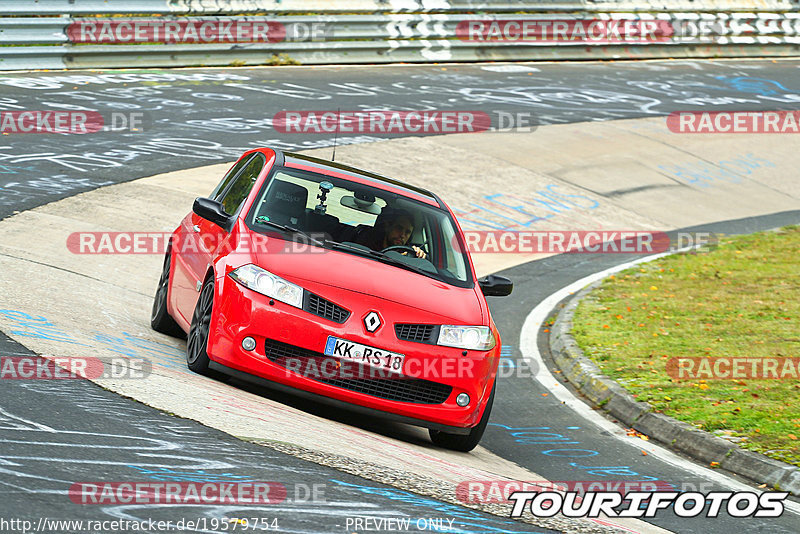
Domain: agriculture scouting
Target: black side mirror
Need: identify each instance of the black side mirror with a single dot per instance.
(212, 211)
(496, 286)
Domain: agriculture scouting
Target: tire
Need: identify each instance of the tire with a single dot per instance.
(465, 443)
(160, 319)
(197, 341)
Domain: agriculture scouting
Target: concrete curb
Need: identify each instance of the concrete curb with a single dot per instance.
(614, 399)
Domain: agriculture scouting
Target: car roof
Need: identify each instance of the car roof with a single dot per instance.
(303, 161)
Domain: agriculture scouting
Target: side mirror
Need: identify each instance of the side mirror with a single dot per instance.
(212, 211)
(496, 286)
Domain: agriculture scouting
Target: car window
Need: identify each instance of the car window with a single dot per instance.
(291, 197)
(233, 198)
(228, 178)
(454, 261)
(361, 216)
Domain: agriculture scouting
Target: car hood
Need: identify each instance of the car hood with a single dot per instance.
(354, 273)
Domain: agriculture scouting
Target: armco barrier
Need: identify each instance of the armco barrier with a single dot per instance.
(170, 33)
(221, 7)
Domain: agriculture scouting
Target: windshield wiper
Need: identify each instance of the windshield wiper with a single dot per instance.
(380, 256)
(289, 229)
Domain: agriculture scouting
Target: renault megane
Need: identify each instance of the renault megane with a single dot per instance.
(339, 284)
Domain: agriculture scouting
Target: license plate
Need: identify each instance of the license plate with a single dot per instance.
(364, 354)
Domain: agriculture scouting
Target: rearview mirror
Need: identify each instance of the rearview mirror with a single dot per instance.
(212, 211)
(496, 286)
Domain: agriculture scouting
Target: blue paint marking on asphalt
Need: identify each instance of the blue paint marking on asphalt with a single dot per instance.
(501, 211)
(601, 471)
(6, 169)
(506, 361)
(570, 453)
(126, 344)
(38, 327)
(190, 475)
(134, 347)
(703, 174)
(536, 436)
(760, 86)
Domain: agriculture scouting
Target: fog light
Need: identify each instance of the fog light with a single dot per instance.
(248, 343)
(462, 399)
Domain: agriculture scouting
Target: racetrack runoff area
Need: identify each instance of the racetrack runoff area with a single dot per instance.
(621, 175)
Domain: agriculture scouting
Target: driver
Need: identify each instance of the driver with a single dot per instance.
(392, 229)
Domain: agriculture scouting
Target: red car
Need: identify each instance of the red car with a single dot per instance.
(339, 284)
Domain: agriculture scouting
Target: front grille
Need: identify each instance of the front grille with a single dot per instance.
(419, 333)
(393, 387)
(325, 308)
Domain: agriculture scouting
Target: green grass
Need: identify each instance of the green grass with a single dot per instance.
(740, 300)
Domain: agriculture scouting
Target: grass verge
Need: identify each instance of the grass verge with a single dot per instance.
(740, 300)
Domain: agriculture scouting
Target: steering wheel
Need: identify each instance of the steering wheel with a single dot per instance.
(401, 248)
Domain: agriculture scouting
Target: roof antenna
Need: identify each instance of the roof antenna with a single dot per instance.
(336, 133)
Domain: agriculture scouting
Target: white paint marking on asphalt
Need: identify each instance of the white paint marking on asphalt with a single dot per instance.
(509, 68)
(530, 351)
(32, 424)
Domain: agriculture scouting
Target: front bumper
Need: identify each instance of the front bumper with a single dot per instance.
(240, 312)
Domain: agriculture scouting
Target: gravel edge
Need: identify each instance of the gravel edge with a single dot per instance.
(605, 393)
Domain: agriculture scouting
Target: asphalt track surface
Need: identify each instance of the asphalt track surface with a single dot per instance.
(58, 432)
(197, 117)
(191, 122)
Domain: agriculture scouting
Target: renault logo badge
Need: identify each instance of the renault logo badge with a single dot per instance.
(372, 321)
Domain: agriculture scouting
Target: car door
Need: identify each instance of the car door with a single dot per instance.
(201, 238)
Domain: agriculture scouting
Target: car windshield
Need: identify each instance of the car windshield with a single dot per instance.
(362, 220)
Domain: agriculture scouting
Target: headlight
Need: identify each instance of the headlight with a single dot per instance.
(466, 337)
(266, 283)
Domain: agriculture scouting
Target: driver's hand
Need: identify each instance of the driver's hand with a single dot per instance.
(419, 251)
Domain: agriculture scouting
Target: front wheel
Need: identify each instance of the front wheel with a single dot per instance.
(467, 442)
(197, 343)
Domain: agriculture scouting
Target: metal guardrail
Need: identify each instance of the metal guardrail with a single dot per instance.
(223, 7)
(739, 27)
(71, 41)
